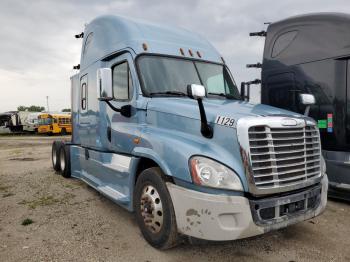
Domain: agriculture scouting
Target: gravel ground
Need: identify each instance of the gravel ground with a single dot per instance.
(72, 222)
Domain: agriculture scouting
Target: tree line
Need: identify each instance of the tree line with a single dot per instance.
(34, 108)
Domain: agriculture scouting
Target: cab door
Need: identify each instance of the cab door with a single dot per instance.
(122, 130)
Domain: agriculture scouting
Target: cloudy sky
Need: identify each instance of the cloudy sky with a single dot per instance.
(38, 50)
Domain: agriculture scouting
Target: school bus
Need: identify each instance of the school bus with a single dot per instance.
(55, 124)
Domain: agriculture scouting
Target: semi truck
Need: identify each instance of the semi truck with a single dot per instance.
(13, 121)
(160, 128)
(310, 54)
(31, 123)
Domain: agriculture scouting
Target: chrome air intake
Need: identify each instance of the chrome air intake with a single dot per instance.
(280, 153)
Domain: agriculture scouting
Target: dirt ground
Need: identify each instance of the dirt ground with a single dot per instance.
(72, 222)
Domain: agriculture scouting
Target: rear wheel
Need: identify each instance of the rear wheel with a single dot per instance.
(55, 155)
(154, 209)
(65, 161)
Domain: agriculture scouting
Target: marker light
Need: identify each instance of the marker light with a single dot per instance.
(209, 173)
(144, 46)
(182, 51)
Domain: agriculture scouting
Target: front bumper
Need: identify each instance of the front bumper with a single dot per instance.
(223, 217)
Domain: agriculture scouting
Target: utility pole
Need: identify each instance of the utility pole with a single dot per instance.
(47, 104)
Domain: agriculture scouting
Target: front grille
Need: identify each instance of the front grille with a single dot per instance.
(284, 156)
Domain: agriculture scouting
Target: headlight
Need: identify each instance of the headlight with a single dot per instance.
(209, 173)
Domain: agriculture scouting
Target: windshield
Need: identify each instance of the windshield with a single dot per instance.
(171, 76)
(45, 121)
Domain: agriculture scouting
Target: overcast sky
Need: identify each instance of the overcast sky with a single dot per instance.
(38, 50)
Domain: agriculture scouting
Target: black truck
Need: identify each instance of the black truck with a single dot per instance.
(310, 54)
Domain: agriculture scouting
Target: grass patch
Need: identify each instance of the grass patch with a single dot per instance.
(8, 194)
(46, 201)
(4, 188)
(41, 201)
(16, 152)
(27, 222)
(70, 186)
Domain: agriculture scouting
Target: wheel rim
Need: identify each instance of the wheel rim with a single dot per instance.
(151, 209)
(62, 160)
(54, 157)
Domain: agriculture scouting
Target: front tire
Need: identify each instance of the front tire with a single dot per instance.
(154, 209)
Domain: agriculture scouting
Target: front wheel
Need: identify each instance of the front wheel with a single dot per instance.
(154, 209)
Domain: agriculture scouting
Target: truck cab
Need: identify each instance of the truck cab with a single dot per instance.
(309, 54)
(160, 128)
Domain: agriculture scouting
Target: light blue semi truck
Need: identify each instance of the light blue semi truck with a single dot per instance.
(160, 128)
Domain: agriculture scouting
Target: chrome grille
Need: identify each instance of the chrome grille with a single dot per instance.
(284, 156)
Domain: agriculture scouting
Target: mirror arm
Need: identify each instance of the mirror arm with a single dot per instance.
(307, 110)
(124, 110)
(206, 129)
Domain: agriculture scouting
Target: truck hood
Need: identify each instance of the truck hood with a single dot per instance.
(213, 107)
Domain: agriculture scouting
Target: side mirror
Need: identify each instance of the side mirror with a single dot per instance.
(104, 84)
(196, 91)
(307, 100)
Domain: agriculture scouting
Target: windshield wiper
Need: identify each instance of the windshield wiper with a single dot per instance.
(228, 96)
(171, 93)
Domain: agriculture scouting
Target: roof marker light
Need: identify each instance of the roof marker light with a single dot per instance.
(144, 46)
(190, 52)
(199, 54)
(182, 51)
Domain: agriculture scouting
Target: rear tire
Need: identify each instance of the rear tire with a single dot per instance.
(55, 155)
(65, 161)
(154, 209)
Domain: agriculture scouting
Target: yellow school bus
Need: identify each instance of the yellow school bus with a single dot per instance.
(55, 124)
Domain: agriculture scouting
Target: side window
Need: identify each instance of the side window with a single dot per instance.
(83, 96)
(122, 82)
(283, 42)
